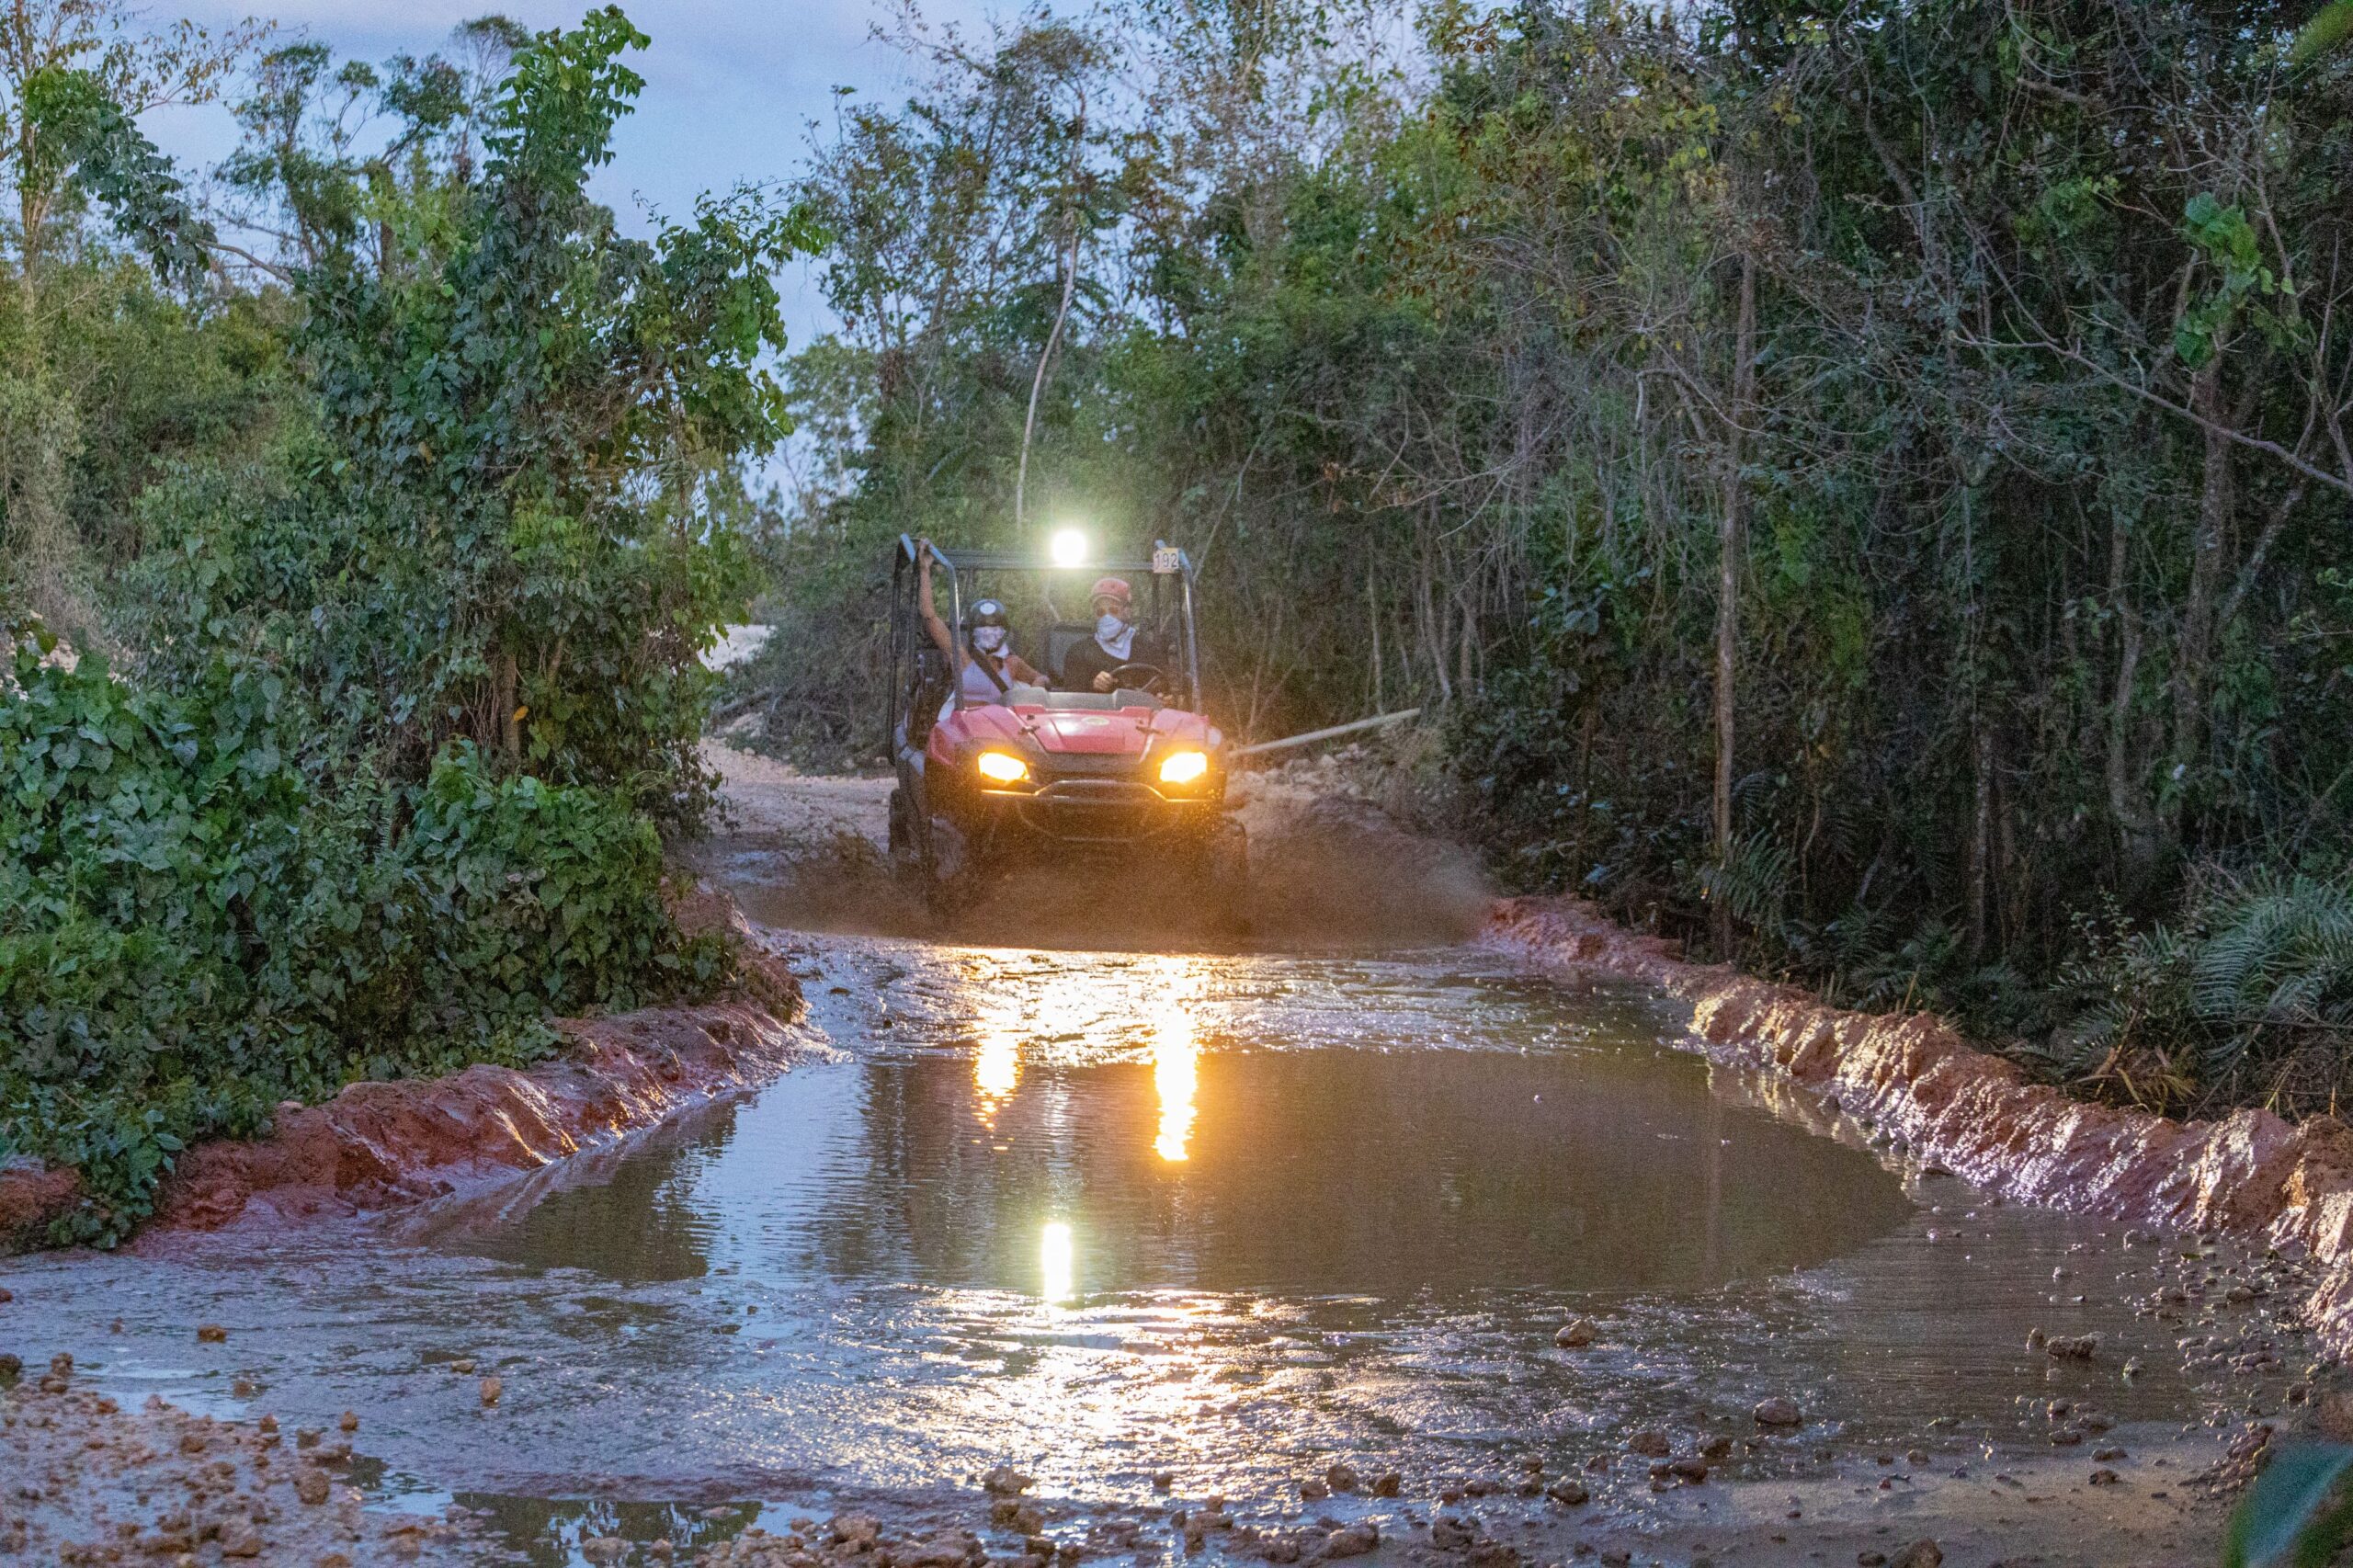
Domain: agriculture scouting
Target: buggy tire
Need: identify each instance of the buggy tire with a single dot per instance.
(1225, 877)
(901, 837)
(951, 880)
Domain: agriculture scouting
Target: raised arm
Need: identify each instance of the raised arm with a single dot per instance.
(940, 636)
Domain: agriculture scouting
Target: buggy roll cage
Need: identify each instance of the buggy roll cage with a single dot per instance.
(904, 630)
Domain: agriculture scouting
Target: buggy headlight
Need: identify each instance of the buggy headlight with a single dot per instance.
(1183, 767)
(1001, 766)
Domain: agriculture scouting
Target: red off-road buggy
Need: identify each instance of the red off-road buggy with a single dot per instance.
(1048, 777)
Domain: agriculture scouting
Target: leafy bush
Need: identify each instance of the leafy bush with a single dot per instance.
(192, 929)
(2248, 997)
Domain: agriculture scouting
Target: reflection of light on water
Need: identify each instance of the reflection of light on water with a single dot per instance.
(995, 1070)
(1175, 1073)
(1054, 1261)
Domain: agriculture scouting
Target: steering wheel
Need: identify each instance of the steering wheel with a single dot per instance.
(1138, 677)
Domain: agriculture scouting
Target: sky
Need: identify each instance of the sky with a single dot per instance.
(731, 87)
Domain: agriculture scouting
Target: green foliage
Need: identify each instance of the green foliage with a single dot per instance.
(410, 610)
(194, 929)
(82, 134)
(2247, 997)
(496, 400)
(1428, 356)
(2326, 32)
(2298, 1515)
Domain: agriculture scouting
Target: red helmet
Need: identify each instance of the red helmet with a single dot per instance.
(1111, 587)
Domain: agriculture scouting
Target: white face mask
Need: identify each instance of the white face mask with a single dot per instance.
(1109, 626)
(988, 638)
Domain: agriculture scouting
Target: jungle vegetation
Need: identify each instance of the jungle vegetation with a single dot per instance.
(364, 525)
(1862, 486)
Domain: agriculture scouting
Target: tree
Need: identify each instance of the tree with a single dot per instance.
(73, 74)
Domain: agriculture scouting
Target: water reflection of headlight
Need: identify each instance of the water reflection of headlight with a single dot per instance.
(996, 1069)
(1054, 1262)
(1176, 1073)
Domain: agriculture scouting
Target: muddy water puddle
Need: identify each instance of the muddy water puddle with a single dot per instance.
(1153, 1227)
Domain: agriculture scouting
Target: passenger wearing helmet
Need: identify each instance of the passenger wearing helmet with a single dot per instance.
(1117, 640)
(991, 667)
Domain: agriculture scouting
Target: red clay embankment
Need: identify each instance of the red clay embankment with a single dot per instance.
(378, 1145)
(2251, 1174)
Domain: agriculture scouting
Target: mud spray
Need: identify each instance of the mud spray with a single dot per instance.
(1327, 871)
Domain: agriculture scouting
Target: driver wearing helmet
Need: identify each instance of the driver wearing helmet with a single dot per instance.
(991, 667)
(1117, 640)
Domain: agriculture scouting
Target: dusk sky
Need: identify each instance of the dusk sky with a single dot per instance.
(730, 87)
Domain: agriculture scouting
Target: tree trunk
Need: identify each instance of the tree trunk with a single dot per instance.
(2126, 802)
(1037, 381)
(1980, 832)
(2196, 654)
(1728, 535)
(504, 690)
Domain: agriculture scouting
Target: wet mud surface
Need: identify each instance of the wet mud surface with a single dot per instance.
(1152, 1229)
(1178, 1256)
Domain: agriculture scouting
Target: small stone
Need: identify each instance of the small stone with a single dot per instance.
(491, 1389)
(1574, 1335)
(1450, 1534)
(1493, 1554)
(1006, 1482)
(1352, 1541)
(1387, 1483)
(1921, 1553)
(1871, 1559)
(2104, 1477)
(2070, 1346)
(1691, 1471)
(1314, 1490)
(311, 1485)
(604, 1548)
(1652, 1444)
(347, 1422)
(1280, 1549)
(850, 1529)
(1567, 1491)
(210, 1333)
(463, 1366)
(1779, 1412)
(239, 1539)
(1342, 1477)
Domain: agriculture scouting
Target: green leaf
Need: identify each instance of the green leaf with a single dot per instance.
(2296, 1515)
